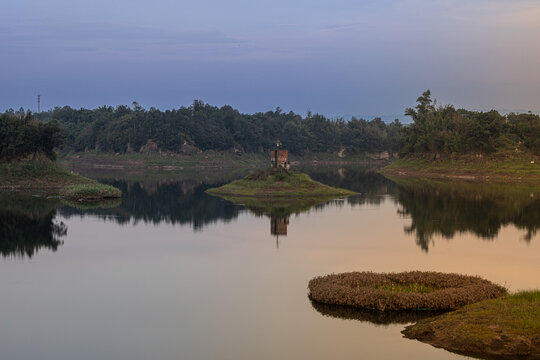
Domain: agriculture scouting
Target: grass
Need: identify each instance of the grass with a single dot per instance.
(51, 179)
(36, 175)
(406, 288)
(280, 183)
(156, 160)
(91, 192)
(517, 314)
(522, 166)
(507, 326)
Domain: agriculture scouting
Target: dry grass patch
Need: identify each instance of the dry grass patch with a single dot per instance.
(412, 290)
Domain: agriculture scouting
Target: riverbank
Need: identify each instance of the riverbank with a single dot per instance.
(208, 160)
(495, 168)
(46, 175)
(49, 177)
(507, 328)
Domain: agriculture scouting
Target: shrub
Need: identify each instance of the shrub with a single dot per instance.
(91, 192)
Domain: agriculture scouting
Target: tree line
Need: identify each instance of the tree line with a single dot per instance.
(23, 136)
(201, 127)
(447, 130)
(123, 129)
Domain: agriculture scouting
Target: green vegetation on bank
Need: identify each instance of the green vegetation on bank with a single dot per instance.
(94, 191)
(278, 183)
(22, 136)
(202, 127)
(27, 160)
(446, 130)
(507, 327)
(491, 168)
(42, 174)
(444, 142)
(53, 179)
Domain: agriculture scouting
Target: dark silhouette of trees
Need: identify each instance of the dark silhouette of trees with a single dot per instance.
(22, 136)
(124, 129)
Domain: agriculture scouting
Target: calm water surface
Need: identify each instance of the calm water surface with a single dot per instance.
(172, 273)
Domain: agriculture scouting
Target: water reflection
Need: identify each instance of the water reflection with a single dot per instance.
(279, 210)
(433, 209)
(384, 318)
(444, 209)
(28, 225)
(172, 202)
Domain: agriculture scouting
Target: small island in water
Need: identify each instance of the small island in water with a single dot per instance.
(278, 181)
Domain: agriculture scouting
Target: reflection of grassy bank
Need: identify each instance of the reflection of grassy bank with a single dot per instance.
(508, 327)
(439, 208)
(374, 317)
(276, 207)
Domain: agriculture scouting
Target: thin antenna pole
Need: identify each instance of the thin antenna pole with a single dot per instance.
(38, 103)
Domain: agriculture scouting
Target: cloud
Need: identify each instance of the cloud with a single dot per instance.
(106, 38)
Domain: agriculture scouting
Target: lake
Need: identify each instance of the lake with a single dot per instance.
(173, 273)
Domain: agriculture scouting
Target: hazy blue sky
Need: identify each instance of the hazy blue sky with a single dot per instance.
(334, 57)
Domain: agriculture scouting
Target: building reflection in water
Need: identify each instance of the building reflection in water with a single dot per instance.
(278, 227)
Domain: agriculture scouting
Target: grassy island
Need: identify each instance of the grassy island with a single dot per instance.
(414, 290)
(94, 191)
(506, 328)
(278, 183)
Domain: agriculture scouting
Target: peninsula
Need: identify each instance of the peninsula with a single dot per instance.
(28, 161)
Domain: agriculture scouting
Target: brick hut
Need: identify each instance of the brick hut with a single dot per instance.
(279, 157)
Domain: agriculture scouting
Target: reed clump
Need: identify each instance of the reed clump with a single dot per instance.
(413, 290)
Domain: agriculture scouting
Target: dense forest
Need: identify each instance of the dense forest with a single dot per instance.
(202, 127)
(446, 130)
(22, 136)
(442, 130)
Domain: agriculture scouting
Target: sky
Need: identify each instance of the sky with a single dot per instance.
(338, 57)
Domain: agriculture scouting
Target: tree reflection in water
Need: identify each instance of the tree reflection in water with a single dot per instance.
(27, 225)
(435, 209)
(444, 209)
